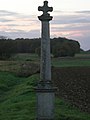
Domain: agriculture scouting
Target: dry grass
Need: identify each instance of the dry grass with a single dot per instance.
(21, 68)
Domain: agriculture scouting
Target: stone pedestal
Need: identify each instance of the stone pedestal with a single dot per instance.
(45, 104)
(45, 100)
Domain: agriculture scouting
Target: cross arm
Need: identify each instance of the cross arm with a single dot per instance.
(40, 8)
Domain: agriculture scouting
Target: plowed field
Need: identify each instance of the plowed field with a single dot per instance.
(73, 85)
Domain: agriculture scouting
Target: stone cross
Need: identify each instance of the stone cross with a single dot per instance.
(45, 90)
(45, 8)
(45, 71)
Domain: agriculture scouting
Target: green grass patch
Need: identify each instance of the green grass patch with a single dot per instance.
(18, 100)
(70, 62)
(64, 111)
(83, 55)
(25, 57)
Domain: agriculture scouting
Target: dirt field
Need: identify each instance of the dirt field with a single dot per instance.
(73, 85)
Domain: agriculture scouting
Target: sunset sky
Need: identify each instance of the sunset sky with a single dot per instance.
(71, 19)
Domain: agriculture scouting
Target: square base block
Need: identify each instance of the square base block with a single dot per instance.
(45, 104)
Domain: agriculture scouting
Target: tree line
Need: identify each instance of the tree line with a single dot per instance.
(60, 47)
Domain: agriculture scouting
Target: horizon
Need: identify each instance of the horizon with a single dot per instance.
(19, 19)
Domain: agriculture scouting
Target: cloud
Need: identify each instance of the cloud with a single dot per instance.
(84, 40)
(73, 25)
(72, 22)
(7, 13)
(5, 20)
(84, 12)
(11, 21)
(75, 17)
(21, 34)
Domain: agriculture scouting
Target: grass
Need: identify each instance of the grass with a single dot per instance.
(64, 111)
(16, 62)
(17, 96)
(70, 62)
(25, 57)
(78, 60)
(83, 55)
(18, 100)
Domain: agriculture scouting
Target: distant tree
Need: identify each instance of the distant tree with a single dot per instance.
(3, 37)
(88, 51)
(62, 47)
(7, 48)
(38, 51)
(59, 46)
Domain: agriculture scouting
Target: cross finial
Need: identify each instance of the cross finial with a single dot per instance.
(45, 9)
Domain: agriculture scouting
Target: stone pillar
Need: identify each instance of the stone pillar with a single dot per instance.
(45, 90)
(45, 72)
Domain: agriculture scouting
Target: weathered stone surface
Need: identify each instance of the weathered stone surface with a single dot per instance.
(45, 103)
(45, 91)
(45, 9)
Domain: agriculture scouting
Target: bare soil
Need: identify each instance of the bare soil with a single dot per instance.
(73, 85)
